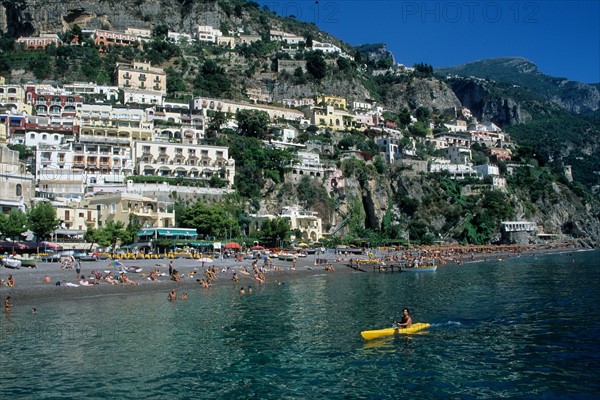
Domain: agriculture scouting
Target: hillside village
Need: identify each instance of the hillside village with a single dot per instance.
(103, 152)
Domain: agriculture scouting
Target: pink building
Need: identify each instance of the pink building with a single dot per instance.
(110, 38)
(38, 42)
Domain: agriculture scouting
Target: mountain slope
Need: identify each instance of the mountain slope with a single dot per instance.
(573, 96)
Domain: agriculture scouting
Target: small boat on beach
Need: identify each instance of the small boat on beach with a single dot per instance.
(374, 334)
(285, 257)
(27, 260)
(11, 262)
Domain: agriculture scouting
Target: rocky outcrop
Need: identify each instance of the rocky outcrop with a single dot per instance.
(503, 112)
(417, 92)
(486, 106)
(519, 72)
(376, 52)
(349, 89)
(578, 97)
(27, 17)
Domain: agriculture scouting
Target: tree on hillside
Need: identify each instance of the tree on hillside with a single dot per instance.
(253, 123)
(316, 65)
(404, 117)
(160, 31)
(343, 64)
(212, 80)
(41, 220)
(217, 120)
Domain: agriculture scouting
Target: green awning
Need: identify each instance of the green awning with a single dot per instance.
(168, 232)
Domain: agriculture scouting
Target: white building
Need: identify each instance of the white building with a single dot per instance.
(206, 33)
(457, 171)
(307, 222)
(457, 126)
(325, 47)
(205, 104)
(180, 37)
(109, 93)
(308, 164)
(46, 130)
(487, 170)
(285, 37)
(16, 184)
(449, 139)
(138, 96)
(184, 160)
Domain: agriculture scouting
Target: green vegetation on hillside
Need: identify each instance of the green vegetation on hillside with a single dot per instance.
(562, 138)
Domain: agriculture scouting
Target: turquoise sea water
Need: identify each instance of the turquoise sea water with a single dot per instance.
(525, 327)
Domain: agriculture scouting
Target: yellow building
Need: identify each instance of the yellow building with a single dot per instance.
(142, 76)
(330, 117)
(120, 124)
(75, 217)
(118, 206)
(335, 101)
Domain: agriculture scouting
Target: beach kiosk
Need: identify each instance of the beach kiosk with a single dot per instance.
(149, 237)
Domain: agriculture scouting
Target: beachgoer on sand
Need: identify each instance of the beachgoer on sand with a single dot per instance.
(78, 268)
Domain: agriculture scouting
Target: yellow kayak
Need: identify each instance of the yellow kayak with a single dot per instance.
(369, 335)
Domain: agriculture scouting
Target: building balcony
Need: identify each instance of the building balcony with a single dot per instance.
(90, 221)
(142, 78)
(157, 87)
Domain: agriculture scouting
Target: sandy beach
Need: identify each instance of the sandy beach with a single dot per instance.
(30, 288)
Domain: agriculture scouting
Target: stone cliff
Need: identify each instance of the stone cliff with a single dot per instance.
(27, 17)
(422, 92)
(487, 106)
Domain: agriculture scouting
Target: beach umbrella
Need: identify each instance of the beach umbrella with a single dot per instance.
(257, 248)
(232, 245)
(205, 260)
(303, 245)
(115, 264)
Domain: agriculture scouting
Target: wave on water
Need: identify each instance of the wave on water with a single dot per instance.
(448, 323)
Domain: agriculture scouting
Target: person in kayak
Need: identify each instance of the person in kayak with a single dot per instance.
(406, 320)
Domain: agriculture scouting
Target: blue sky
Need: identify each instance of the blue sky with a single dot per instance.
(561, 37)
